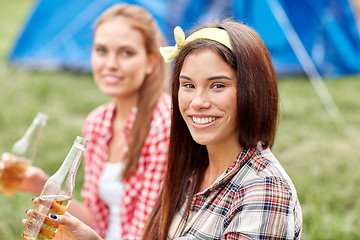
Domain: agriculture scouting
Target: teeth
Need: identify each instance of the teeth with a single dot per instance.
(111, 79)
(203, 120)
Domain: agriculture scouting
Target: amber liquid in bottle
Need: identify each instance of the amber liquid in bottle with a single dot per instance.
(12, 176)
(21, 157)
(39, 224)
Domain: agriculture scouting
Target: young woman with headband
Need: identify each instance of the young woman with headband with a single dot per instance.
(222, 180)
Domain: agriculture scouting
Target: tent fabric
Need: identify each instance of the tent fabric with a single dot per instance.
(58, 33)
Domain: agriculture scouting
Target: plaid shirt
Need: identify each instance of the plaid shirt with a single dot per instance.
(253, 199)
(141, 189)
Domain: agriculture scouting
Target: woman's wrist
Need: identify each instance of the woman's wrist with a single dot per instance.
(42, 180)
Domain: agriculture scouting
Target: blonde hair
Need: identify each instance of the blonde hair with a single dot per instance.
(154, 83)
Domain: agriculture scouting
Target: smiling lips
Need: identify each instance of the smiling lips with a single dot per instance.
(111, 79)
(203, 120)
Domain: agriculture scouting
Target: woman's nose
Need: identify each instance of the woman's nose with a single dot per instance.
(200, 100)
(112, 61)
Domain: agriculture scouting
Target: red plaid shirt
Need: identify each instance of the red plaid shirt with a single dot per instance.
(141, 189)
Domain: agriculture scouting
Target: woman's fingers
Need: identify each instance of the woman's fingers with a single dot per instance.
(67, 219)
(29, 212)
(25, 221)
(5, 158)
(75, 226)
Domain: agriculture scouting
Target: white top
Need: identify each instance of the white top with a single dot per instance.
(111, 190)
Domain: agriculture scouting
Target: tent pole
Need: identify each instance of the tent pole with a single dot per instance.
(305, 61)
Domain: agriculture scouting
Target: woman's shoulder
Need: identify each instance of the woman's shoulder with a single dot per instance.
(264, 173)
(272, 167)
(161, 119)
(164, 102)
(98, 119)
(163, 108)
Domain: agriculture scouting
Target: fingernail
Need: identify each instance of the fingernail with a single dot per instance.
(53, 216)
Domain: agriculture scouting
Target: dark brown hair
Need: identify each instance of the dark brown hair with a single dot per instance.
(257, 110)
(154, 83)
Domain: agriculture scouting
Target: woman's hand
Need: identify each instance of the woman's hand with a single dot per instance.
(34, 178)
(34, 181)
(70, 227)
(80, 230)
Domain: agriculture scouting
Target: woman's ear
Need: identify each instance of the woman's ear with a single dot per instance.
(152, 60)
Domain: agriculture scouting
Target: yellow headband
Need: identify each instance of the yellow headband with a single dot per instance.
(215, 34)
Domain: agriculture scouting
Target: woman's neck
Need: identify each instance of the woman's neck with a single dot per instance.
(124, 107)
(220, 158)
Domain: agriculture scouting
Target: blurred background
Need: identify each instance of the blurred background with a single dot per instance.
(315, 45)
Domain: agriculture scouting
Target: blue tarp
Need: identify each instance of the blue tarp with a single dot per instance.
(58, 33)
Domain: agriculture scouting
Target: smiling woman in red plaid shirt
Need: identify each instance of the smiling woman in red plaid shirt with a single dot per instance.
(128, 137)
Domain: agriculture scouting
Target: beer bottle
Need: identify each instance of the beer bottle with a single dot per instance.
(21, 156)
(56, 195)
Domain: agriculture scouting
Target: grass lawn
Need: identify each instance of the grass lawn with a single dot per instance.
(319, 155)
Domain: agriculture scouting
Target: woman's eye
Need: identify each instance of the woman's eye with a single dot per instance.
(188, 85)
(217, 85)
(127, 53)
(100, 50)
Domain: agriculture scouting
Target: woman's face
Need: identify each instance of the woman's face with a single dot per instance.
(119, 60)
(207, 98)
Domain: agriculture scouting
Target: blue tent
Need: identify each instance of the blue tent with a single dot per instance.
(58, 33)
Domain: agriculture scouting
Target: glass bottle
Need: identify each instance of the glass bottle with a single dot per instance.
(56, 195)
(21, 156)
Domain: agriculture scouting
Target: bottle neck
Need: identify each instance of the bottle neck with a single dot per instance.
(26, 146)
(71, 163)
(64, 179)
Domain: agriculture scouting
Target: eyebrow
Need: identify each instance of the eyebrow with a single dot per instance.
(183, 76)
(211, 78)
(219, 77)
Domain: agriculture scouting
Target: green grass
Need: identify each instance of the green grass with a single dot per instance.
(319, 155)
